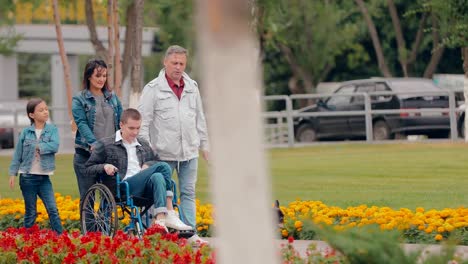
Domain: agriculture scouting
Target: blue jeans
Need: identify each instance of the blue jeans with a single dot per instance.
(152, 183)
(84, 181)
(39, 185)
(187, 174)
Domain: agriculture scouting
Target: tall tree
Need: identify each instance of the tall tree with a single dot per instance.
(117, 58)
(452, 23)
(405, 56)
(110, 40)
(300, 30)
(101, 51)
(112, 53)
(136, 74)
(63, 56)
(375, 39)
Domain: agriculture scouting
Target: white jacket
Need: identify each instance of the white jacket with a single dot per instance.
(175, 128)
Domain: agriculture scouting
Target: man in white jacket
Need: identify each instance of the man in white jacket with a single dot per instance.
(174, 124)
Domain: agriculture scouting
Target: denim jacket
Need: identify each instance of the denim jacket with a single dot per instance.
(84, 112)
(48, 144)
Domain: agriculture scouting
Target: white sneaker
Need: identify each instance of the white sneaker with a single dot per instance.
(197, 241)
(173, 221)
(161, 223)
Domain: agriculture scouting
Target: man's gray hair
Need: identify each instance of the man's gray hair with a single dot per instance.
(176, 49)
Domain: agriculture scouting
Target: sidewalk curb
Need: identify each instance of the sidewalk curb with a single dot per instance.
(301, 247)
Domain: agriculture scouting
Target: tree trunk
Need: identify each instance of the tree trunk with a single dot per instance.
(101, 51)
(375, 39)
(136, 54)
(110, 41)
(401, 43)
(66, 65)
(417, 42)
(435, 58)
(117, 62)
(128, 47)
(299, 74)
(224, 36)
(297, 69)
(437, 53)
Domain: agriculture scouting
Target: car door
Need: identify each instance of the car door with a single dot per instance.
(336, 125)
(357, 123)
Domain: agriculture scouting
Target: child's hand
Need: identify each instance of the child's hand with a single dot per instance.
(12, 182)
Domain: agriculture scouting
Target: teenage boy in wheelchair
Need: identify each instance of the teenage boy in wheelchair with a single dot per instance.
(135, 161)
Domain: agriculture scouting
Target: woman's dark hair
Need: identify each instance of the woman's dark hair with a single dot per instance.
(89, 70)
(31, 106)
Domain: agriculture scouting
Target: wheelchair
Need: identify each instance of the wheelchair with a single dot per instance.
(99, 210)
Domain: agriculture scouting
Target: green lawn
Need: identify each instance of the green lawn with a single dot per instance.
(431, 175)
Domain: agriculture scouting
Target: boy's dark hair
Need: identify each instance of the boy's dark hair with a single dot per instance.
(32, 103)
(130, 113)
(89, 70)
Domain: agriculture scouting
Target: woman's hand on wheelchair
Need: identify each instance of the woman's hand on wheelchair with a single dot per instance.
(110, 169)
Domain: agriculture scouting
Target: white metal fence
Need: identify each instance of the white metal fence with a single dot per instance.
(280, 130)
(279, 125)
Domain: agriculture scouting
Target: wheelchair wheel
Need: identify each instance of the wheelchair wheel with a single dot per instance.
(98, 211)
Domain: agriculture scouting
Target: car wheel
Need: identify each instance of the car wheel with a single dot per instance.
(306, 133)
(381, 130)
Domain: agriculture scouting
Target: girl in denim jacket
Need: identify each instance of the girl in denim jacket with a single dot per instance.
(34, 159)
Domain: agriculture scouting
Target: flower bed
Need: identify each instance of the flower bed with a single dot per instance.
(34, 245)
(418, 226)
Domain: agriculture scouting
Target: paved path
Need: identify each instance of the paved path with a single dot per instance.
(302, 245)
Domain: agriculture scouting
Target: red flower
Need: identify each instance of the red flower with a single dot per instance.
(177, 259)
(69, 259)
(81, 253)
(198, 256)
(187, 257)
(290, 239)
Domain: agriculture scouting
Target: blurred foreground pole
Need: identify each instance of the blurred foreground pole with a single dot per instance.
(465, 91)
(231, 86)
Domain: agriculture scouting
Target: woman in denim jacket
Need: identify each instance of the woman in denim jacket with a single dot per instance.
(96, 110)
(34, 159)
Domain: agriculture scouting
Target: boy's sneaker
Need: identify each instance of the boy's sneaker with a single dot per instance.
(161, 223)
(195, 240)
(173, 221)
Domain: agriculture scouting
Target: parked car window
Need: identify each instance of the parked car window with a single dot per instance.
(381, 87)
(341, 100)
(364, 88)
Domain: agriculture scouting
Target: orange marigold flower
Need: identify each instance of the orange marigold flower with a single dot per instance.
(298, 224)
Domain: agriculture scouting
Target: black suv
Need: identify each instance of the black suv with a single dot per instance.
(385, 126)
